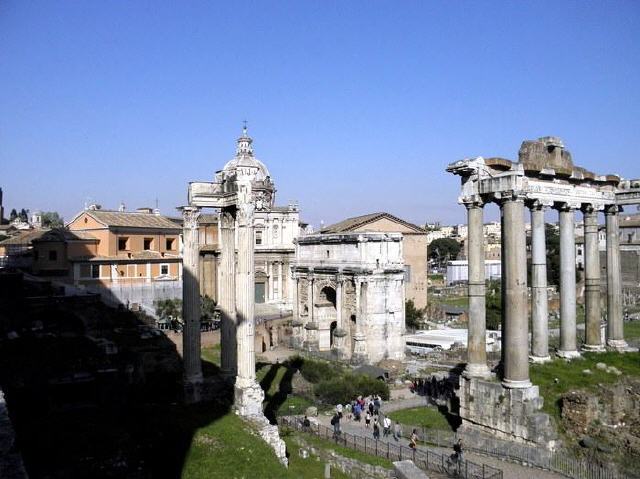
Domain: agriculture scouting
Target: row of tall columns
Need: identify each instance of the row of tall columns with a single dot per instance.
(515, 345)
(226, 292)
(191, 298)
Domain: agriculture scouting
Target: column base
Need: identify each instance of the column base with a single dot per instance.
(619, 345)
(248, 399)
(513, 384)
(193, 390)
(593, 348)
(539, 359)
(568, 354)
(476, 371)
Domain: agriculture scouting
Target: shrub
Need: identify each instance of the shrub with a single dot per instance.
(367, 386)
(317, 371)
(342, 389)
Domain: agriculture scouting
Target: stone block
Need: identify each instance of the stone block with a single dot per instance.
(408, 470)
(311, 411)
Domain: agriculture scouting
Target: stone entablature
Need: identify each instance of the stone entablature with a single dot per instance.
(350, 295)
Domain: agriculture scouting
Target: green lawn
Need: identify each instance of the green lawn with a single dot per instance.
(211, 354)
(459, 301)
(632, 330)
(226, 450)
(428, 417)
(570, 375)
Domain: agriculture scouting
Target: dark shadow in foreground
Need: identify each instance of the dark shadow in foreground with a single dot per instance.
(93, 391)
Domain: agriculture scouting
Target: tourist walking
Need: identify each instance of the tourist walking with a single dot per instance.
(335, 422)
(386, 423)
(367, 419)
(376, 429)
(376, 405)
(306, 424)
(413, 440)
(457, 449)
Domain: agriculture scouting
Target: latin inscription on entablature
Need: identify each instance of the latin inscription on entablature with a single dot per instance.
(565, 192)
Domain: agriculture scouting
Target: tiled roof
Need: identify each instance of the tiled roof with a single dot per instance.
(350, 224)
(132, 220)
(24, 237)
(59, 234)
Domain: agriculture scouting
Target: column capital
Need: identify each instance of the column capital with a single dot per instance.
(567, 206)
(245, 214)
(509, 195)
(227, 219)
(611, 210)
(539, 205)
(190, 215)
(591, 208)
(475, 201)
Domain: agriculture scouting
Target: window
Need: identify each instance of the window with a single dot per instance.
(171, 244)
(95, 271)
(53, 255)
(123, 243)
(148, 244)
(407, 273)
(258, 237)
(328, 253)
(164, 269)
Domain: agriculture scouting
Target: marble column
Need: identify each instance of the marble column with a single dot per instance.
(359, 355)
(227, 292)
(477, 337)
(515, 336)
(339, 281)
(593, 340)
(270, 288)
(191, 299)
(568, 343)
(248, 394)
(296, 323)
(311, 327)
(539, 300)
(280, 283)
(615, 331)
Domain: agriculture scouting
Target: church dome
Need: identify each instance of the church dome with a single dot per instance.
(244, 157)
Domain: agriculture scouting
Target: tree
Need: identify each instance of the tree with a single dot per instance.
(24, 215)
(13, 215)
(552, 238)
(51, 219)
(412, 315)
(443, 249)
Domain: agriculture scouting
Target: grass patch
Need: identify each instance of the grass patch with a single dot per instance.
(459, 301)
(570, 376)
(427, 417)
(211, 354)
(632, 330)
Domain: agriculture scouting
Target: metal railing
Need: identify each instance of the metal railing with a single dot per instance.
(560, 461)
(426, 460)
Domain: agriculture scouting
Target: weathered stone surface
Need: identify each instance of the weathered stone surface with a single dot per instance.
(311, 411)
(408, 470)
(545, 153)
(507, 413)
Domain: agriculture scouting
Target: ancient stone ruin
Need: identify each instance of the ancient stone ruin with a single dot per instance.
(544, 177)
(238, 190)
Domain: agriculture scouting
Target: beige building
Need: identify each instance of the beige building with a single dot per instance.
(414, 248)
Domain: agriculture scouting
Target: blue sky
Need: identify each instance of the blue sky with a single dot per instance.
(355, 107)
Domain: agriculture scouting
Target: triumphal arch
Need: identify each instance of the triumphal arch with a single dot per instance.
(543, 178)
(240, 189)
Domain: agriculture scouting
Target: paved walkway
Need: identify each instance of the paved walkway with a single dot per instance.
(510, 470)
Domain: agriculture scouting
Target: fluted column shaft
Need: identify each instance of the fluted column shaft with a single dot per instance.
(296, 307)
(593, 340)
(339, 302)
(477, 341)
(568, 342)
(310, 298)
(515, 337)
(227, 288)
(539, 301)
(615, 331)
(191, 296)
(280, 295)
(245, 298)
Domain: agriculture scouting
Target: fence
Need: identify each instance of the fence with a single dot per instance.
(558, 461)
(426, 460)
